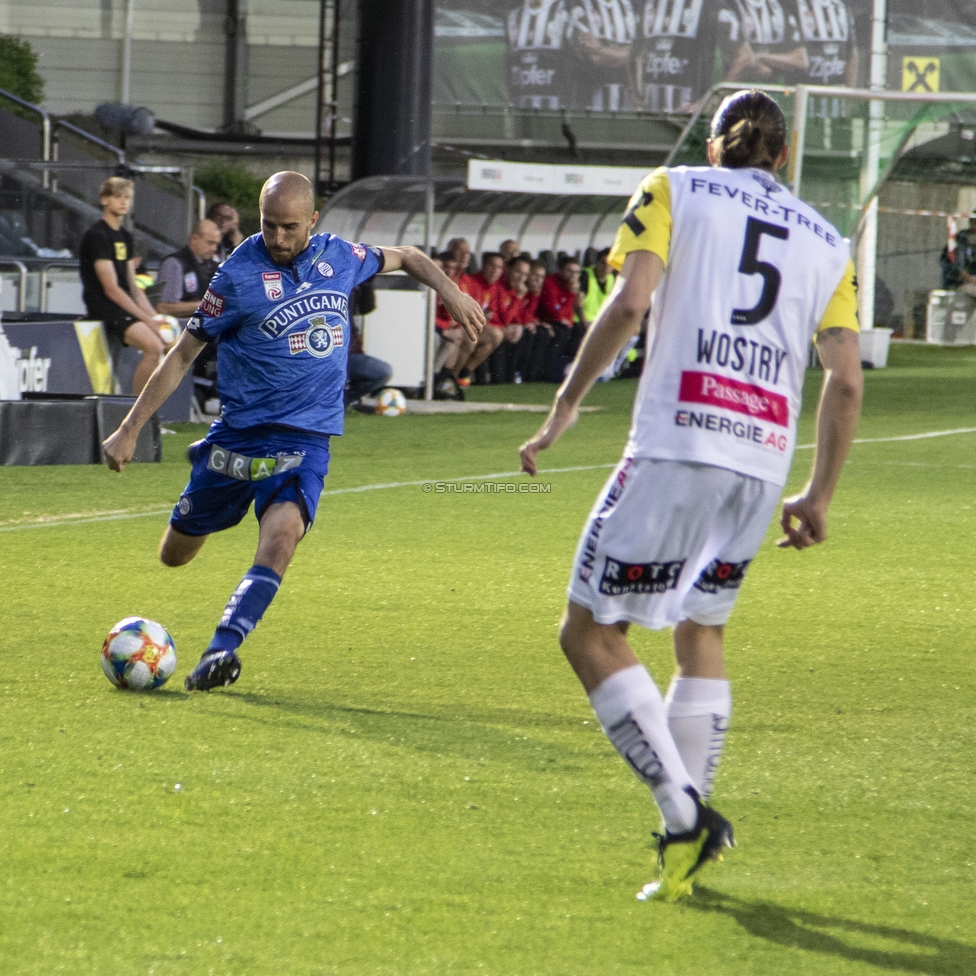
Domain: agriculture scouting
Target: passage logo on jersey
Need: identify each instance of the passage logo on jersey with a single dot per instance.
(272, 285)
(212, 304)
(359, 251)
(320, 338)
(723, 391)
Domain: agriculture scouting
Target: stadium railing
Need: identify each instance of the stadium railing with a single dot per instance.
(68, 164)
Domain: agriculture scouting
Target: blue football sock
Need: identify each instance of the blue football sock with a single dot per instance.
(245, 608)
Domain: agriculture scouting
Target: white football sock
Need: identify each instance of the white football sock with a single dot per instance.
(631, 711)
(699, 710)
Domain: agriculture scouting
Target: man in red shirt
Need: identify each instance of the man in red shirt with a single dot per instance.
(534, 347)
(560, 306)
(508, 249)
(456, 347)
(482, 287)
(461, 250)
(561, 299)
(509, 313)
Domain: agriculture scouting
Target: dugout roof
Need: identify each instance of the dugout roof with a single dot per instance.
(391, 210)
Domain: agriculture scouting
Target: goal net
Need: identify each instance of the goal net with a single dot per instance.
(893, 171)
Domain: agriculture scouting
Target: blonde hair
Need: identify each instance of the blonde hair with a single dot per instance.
(116, 186)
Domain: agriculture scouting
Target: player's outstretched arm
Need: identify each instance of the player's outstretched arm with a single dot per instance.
(837, 416)
(620, 319)
(121, 445)
(462, 308)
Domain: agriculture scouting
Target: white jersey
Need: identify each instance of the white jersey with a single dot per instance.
(751, 273)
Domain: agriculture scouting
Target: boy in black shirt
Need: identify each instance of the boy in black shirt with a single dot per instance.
(108, 279)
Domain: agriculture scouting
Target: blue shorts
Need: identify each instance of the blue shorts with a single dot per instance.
(266, 465)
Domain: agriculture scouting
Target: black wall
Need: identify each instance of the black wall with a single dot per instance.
(393, 97)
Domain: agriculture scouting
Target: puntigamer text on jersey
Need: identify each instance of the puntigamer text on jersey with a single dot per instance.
(287, 314)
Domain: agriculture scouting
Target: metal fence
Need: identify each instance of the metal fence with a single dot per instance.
(68, 163)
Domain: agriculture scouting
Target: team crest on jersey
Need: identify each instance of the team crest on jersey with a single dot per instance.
(272, 285)
(320, 339)
(325, 269)
(359, 251)
(212, 304)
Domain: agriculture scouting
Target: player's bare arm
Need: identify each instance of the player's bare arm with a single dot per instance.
(121, 445)
(462, 308)
(620, 319)
(837, 416)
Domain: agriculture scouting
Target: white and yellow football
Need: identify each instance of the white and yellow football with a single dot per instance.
(391, 403)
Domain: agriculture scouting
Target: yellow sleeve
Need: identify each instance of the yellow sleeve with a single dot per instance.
(842, 308)
(647, 221)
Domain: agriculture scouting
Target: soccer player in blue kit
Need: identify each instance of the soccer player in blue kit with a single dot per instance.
(278, 308)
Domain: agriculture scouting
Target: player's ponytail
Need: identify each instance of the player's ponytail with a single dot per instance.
(748, 130)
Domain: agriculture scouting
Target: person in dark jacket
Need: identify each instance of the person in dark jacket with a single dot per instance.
(185, 274)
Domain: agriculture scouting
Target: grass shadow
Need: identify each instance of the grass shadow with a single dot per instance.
(320, 709)
(912, 952)
(495, 733)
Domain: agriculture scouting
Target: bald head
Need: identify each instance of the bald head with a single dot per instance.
(204, 239)
(287, 215)
(288, 188)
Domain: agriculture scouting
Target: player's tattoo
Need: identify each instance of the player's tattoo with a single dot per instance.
(837, 334)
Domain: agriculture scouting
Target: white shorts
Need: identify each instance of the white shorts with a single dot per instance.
(668, 541)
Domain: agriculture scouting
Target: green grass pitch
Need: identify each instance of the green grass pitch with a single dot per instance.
(407, 779)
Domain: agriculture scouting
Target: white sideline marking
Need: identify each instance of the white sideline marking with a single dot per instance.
(53, 524)
(57, 523)
(903, 437)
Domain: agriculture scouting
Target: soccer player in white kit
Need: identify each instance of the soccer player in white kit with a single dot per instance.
(743, 275)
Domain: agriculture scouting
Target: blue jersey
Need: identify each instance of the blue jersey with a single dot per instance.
(283, 332)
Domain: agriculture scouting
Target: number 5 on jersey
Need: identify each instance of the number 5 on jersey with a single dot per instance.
(750, 264)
